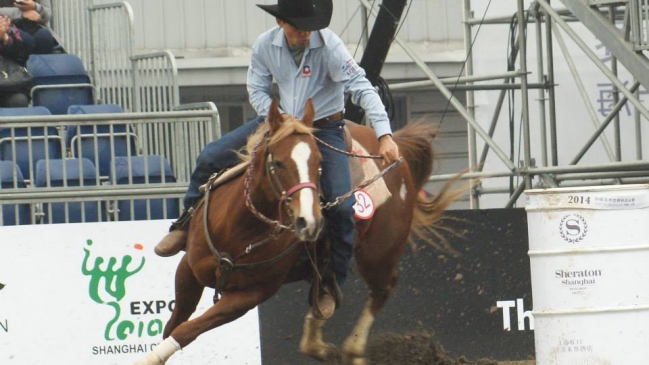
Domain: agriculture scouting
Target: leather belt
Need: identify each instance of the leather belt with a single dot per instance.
(332, 118)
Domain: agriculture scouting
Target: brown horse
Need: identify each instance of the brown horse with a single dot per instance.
(247, 262)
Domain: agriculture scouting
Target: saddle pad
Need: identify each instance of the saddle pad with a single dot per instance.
(362, 169)
(224, 176)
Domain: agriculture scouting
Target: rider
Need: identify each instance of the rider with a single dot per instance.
(307, 60)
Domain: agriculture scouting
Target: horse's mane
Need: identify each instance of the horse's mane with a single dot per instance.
(289, 126)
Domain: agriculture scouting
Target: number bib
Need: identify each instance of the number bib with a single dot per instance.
(364, 206)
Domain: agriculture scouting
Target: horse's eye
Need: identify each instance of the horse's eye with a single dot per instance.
(278, 164)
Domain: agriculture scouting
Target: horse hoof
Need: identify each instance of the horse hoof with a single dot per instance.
(325, 352)
(355, 360)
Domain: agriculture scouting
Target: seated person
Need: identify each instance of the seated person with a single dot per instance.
(12, 47)
(30, 16)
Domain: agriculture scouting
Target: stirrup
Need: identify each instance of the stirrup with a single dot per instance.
(319, 289)
(182, 221)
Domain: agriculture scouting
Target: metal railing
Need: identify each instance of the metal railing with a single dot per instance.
(102, 35)
(59, 164)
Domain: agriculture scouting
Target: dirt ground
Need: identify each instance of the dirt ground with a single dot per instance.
(417, 349)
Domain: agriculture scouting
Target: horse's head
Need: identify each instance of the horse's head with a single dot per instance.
(292, 163)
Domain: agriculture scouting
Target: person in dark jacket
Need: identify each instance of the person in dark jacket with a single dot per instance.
(31, 17)
(13, 47)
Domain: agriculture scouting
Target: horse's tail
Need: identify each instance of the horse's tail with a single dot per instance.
(415, 145)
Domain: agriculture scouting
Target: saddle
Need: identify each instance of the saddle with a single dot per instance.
(360, 168)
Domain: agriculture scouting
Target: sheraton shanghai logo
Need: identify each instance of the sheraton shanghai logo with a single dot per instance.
(573, 228)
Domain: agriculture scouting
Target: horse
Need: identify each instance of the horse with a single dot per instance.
(247, 262)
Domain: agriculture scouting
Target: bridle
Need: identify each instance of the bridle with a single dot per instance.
(283, 195)
(224, 261)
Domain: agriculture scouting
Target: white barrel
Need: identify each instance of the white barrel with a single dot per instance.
(589, 261)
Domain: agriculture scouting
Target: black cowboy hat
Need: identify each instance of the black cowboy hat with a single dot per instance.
(303, 14)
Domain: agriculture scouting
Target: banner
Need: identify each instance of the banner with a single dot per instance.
(96, 293)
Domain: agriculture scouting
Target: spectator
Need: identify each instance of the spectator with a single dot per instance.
(31, 17)
(12, 47)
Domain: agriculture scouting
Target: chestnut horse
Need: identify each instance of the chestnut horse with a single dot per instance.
(247, 261)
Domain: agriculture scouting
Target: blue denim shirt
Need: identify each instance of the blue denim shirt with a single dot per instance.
(326, 73)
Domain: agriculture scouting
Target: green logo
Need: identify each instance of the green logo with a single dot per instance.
(2, 286)
(107, 286)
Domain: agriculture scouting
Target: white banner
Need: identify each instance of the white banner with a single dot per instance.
(95, 293)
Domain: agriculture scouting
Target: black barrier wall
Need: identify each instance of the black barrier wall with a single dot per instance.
(477, 305)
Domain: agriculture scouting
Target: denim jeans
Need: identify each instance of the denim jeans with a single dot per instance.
(216, 156)
(41, 42)
(335, 181)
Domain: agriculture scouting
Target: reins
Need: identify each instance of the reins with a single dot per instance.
(365, 183)
(224, 261)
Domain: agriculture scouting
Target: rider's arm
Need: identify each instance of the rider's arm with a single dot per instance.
(364, 95)
(360, 89)
(259, 79)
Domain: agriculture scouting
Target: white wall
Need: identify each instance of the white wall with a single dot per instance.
(220, 27)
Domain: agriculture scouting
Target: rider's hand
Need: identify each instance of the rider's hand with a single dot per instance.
(388, 149)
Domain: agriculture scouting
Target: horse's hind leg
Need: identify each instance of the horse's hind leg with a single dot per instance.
(356, 343)
(188, 292)
(377, 266)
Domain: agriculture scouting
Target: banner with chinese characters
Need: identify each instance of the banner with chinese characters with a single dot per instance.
(95, 293)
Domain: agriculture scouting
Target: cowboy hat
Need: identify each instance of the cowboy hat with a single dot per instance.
(306, 15)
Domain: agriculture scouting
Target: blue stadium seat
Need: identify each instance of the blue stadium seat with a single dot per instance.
(61, 64)
(13, 213)
(60, 80)
(153, 171)
(78, 172)
(94, 142)
(43, 141)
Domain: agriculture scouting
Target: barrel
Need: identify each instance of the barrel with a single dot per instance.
(589, 262)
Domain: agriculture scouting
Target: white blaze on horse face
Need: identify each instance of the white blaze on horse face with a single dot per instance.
(300, 155)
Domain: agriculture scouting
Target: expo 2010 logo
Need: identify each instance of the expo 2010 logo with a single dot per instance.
(573, 228)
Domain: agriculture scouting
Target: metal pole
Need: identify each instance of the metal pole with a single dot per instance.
(522, 44)
(453, 80)
(551, 91)
(615, 111)
(541, 92)
(638, 129)
(616, 97)
(474, 201)
(583, 93)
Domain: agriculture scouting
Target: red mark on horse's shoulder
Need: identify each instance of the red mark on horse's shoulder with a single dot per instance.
(138, 246)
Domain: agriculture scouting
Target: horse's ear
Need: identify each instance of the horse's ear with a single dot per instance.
(309, 113)
(274, 117)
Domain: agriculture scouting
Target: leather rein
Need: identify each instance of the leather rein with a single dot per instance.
(224, 261)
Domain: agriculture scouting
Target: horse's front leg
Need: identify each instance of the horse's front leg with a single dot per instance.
(231, 306)
(311, 343)
(188, 292)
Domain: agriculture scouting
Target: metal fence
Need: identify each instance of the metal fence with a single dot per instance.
(100, 167)
(102, 35)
